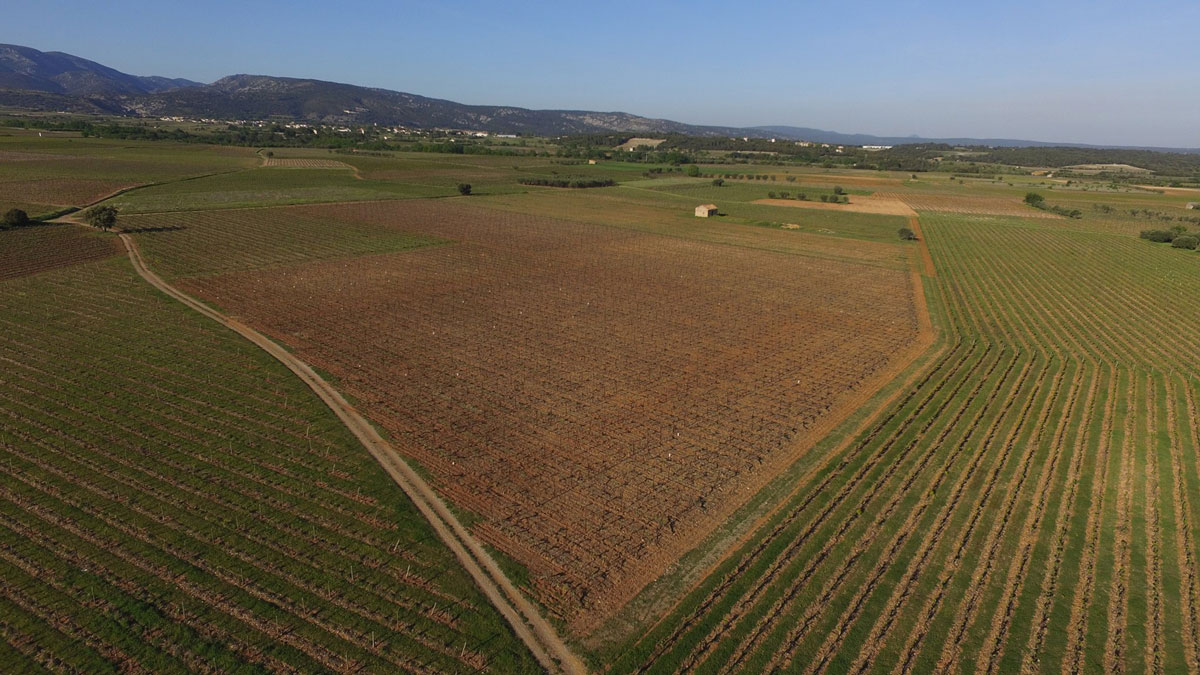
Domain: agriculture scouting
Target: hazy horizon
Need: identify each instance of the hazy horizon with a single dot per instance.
(1073, 73)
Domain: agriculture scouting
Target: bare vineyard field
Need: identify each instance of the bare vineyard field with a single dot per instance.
(1028, 505)
(46, 193)
(586, 391)
(969, 204)
(43, 175)
(305, 163)
(36, 249)
(208, 242)
(173, 500)
(740, 223)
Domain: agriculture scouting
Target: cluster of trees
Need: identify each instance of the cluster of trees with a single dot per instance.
(1177, 237)
(800, 196)
(1148, 214)
(1169, 163)
(453, 149)
(1037, 201)
(568, 182)
(656, 171)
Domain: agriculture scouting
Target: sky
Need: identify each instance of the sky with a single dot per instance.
(1083, 72)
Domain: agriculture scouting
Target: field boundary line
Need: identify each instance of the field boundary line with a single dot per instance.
(527, 623)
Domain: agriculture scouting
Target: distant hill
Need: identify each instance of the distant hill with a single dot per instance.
(31, 79)
(261, 97)
(834, 137)
(28, 69)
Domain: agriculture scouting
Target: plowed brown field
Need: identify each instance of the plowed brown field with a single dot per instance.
(60, 191)
(978, 205)
(304, 163)
(878, 204)
(36, 249)
(600, 397)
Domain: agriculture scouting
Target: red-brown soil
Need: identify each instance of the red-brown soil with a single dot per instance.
(60, 191)
(30, 250)
(996, 206)
(600, 397)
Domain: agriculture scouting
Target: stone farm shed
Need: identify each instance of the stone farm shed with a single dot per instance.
(706, 210)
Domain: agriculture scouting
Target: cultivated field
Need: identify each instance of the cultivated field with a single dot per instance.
(43, 175)
(597, 397)
(1027, 505)
(37, 249)
(303, 163)
(171, 499)
(731, 444)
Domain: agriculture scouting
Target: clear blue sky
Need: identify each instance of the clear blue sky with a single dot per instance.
(1098, 72)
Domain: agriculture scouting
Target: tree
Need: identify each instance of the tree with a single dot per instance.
(1187, 241)
(102, 217)
(839, 190)
(464, 189)
(1034, 199)
(907, 234)
(14, 218)
(718, 182)
(693, 170)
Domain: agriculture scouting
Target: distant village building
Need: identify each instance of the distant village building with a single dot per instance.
(876, 148)
(591, 161)
(706, 210)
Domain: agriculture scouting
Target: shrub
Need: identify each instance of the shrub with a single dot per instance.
(693, 170)
(771, 195)
(1158, 236)
(464, 188)
(838, 190)
(907, 234)
(14, 218)
(1034, 199)
(801, 196)
(824, 198)
(718, 182)
(1187, 241)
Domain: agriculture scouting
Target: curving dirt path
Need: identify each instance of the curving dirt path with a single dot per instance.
(526, 621)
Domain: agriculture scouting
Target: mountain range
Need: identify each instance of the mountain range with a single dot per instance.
(36, 80)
